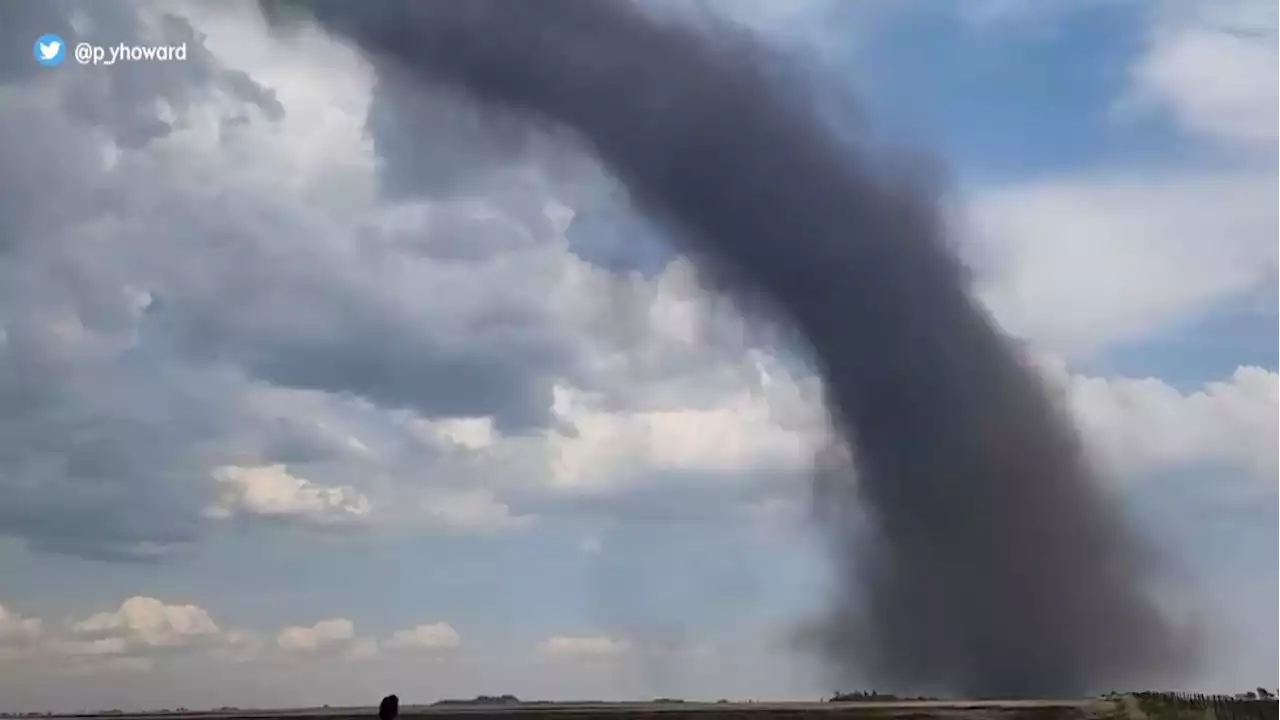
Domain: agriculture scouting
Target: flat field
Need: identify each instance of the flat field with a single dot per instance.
(1091, 709)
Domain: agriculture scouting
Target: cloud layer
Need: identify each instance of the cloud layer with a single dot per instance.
(252, 309)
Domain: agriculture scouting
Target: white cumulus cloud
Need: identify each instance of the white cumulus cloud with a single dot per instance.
(583, 647)
(430, 636)
(323, 634)
(146, 621)
(16, 628)
(271, 490)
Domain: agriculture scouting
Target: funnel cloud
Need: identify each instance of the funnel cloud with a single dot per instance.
(974, 551)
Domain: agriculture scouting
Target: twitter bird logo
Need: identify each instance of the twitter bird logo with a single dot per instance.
(50, 50)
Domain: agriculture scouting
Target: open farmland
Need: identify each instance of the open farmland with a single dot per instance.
(1091, 709)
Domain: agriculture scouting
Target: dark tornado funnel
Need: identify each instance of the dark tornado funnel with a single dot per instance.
(983, 558)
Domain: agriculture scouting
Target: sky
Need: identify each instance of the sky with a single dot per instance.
(317, 386)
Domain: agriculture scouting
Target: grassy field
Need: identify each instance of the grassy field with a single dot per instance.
(1140, 706)
(1092, 709)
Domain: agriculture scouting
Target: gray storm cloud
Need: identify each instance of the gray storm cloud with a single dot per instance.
(975, 553)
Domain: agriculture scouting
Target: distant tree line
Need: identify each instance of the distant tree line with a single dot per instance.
(873, 696)
(482, 700)
(1259, 704)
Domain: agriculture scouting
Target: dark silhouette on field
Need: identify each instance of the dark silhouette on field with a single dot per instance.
(389, 708)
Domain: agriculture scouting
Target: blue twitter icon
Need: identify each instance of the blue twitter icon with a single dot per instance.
(50, 50)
